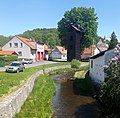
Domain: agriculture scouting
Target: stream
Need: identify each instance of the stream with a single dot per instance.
(68, 105)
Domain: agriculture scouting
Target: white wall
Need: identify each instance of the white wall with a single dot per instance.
(97, 72)
(40, 48)
(64, 56)
(108, 55)
(96, 51)
(56, 54)
(26, 51)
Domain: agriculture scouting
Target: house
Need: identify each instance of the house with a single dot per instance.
(40, 51)
(88, 52)
(25, 48)
(59, 53)
(8, 52)
(98, 63)
(101, 45)
(73, 43)
(47, 51)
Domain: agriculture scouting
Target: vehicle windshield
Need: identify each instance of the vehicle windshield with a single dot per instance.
(15, 64)
(27, 59)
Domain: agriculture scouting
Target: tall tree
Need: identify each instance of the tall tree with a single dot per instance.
(113, 41)
(4, 40)
(85, 18)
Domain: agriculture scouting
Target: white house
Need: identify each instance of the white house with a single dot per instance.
(97, 64)
(59, 53)
(40, 51)
(101, 45)
(25, 48)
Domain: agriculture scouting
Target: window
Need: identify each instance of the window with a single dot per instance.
(10, 44)
(64, 55)
(91, 63)
(21, 44)
(15, 45)
(19, 53)
(71, 38)
(33, 52)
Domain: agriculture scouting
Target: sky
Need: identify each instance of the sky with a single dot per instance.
(18, 16)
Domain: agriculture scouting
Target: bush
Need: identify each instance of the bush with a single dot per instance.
(75, 63)
(110, 93)
(7, 59)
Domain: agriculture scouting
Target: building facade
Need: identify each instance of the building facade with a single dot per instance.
(98, 64)
(25, 48)
(73, 43)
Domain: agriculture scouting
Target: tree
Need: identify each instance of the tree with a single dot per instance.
(110, 94)
(85, 18)
(113, 41)
(4, 40)
(47, 36)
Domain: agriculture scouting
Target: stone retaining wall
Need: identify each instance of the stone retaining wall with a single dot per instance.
(12, 103)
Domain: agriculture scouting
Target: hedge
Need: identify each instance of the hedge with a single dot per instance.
(7, 59)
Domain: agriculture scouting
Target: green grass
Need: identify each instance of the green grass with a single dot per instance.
(9, 82)
(66, 70)
(39, 103)
(82, 84)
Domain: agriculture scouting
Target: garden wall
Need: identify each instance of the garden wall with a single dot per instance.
(12, 103)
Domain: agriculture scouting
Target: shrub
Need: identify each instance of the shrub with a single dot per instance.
(110, 92)
(6, 59)
(75, 63)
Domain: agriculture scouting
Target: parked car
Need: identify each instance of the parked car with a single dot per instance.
(15, 66)
(27, 61)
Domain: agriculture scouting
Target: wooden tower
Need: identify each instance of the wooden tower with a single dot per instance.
(73, 43)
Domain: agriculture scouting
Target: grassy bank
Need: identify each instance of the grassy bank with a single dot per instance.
(82, 84)
(39, 103)
(9, 82)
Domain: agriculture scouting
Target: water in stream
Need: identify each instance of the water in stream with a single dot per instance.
(68, 105)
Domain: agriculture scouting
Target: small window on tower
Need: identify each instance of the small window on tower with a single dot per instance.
(71, 38)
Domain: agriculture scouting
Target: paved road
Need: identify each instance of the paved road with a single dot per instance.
(33, 64)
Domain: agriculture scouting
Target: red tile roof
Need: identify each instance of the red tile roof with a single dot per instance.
(7, 52)
(89, 50)
(26, 41)
(61, 49)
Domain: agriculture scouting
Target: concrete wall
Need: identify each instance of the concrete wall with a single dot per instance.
(12, 103)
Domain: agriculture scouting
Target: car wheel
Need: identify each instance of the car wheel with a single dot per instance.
(22, 70)
(17, 71)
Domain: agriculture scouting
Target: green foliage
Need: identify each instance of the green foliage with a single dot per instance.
(75, 63)
(4, 40)
(113, 41)
(7, 59)
(47, 36)
(83, 85)
(110, 97)
(110, 94)
(107, 42)
(39, 103)
(86, 18)
(9, 82)
(80, 74)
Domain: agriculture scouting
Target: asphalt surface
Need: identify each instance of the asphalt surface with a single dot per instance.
(33, 64)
